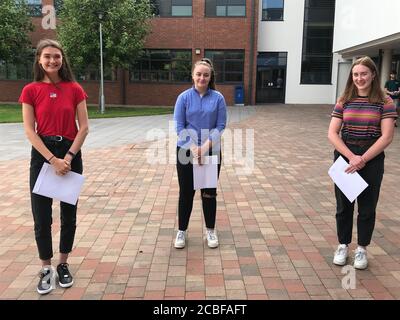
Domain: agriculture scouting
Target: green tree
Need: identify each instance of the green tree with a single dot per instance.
(125, 25)
(15, 25)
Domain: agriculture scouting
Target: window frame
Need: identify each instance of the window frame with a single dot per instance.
(92, 74)
(34, 8)
(58, 6)
(220, 77)
(223, 3)
(9, 68)
(265, 17)
(322, 72)
(151, 75)
(171, 6)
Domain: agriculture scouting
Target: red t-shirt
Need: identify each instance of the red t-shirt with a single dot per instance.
(55, 108)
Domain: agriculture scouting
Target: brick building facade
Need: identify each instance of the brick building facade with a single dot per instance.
(198, 34)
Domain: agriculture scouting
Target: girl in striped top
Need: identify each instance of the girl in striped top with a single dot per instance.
(361, 127)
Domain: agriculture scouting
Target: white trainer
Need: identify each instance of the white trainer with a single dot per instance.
(212, 239)
(341, 255)
(360, 258)
(180, 240)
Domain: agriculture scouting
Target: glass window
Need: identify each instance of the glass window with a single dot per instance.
(228, 65)
(20, 71)
(181, 11)
(164, 66)
(174, 8)
(316, 66)
(272, 10)
(221, 11)
(225, 8)
(236, 11)
(93, 74)
(272, 59)
(35, 7)
(58, 4)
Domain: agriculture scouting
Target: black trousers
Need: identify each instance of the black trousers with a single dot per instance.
(42, 206)
(367, 201)
(186, 192)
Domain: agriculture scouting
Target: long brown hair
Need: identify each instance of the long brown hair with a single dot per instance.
(65, 72)
(376, 94)
(207, 62)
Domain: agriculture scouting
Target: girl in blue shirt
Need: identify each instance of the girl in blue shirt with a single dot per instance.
(200, 118)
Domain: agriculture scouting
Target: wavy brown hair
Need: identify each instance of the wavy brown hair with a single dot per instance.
(376, 94)
(65, 72)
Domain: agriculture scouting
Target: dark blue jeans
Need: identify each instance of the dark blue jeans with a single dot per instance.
(42, 206)
(186, 194)
(367, 201)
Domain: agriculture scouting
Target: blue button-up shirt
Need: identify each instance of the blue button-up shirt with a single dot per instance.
(199, 118)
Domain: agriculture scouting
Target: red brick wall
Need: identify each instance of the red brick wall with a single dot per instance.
(203, 33)
(164, 94)
(169, 33)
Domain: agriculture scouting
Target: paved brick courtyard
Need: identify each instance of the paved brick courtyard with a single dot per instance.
(276, 225)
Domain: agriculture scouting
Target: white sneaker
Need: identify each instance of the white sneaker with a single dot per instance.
(212, 239)
(360, 258)
(180, 240)
(341, 255)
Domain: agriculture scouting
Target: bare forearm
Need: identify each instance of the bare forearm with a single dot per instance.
(38, 144)
(377, 148)
(339, 145)
(79, 139)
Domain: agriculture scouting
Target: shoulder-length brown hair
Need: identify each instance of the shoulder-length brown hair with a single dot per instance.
(207, 62)
(65, 71)
(376, 94)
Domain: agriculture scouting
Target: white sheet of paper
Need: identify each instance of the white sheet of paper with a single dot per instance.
(64, 188)
(351, 184)
(205, 175)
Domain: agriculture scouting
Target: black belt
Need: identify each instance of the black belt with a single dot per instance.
(54, 139)
(360, 143)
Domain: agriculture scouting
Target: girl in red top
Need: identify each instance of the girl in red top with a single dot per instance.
(50, 106)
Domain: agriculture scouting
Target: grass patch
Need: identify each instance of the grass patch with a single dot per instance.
(10, 113)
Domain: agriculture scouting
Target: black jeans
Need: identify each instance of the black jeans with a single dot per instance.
(367, 201)
(186, 193)
(42, 206)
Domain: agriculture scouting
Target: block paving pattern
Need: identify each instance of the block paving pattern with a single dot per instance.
(276, 224)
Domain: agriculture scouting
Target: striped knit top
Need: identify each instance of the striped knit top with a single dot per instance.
(362, 119)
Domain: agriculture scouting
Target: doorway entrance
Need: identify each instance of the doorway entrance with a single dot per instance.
(271, 77)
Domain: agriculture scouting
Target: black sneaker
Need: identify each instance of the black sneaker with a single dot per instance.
(65, 279)
(45, 284)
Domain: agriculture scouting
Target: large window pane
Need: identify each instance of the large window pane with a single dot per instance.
(221, 11)
(272, 10)
(225, 8)
(58, 5)
(175, 8)
(93, 74)
(35, 8)
(236, 11)
(181, 10)
(165, 66)
(20, 71)
(317, 53)
(228, 65)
